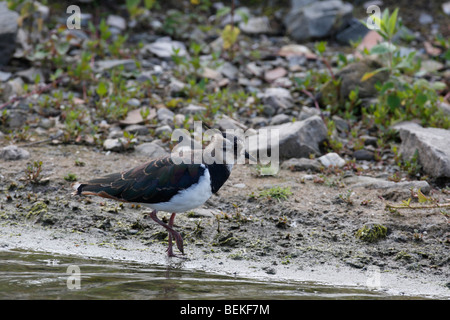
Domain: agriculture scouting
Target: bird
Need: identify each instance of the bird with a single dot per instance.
(164, 184)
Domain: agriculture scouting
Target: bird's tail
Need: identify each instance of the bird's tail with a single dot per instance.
(103, 187)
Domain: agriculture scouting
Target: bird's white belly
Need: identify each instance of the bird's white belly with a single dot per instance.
(188, 199)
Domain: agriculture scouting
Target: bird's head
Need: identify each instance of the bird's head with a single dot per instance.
(226, 148)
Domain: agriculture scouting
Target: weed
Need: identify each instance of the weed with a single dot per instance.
(33, 172)
(278, 193)
(347, 197)
(71, 177)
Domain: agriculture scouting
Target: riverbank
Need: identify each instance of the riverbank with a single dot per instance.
(309, 236)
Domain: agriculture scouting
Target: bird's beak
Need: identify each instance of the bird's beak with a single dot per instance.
(248, 156)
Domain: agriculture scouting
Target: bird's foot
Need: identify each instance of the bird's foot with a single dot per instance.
(170, 250)
(178, 241)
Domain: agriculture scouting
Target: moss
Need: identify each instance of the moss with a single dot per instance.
(371, 233)
(403, 255)
(39, 208)
(228, 241)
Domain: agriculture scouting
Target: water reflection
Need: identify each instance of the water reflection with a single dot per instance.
(33, 275)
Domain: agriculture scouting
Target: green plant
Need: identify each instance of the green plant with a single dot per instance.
(71, 177)
(347, 197)
(412, 166)
(278, 193)
(33, 172)
(402, 97)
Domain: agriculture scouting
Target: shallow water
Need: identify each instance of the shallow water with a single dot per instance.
(33, 275)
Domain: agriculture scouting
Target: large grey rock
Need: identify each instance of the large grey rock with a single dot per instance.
(295, 140)
(432, 145)
(13, 153)
(317, 19)
(8, 33)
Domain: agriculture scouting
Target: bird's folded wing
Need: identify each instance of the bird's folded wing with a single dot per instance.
(153, 182)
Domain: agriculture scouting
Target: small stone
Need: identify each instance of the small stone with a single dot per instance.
(137, 129)
(103, 65)
(113, 144)
(256, 25)
(280, 119)
(135, 116)
(292, 50)
(165, 48)
(363, 154)
(46, 123)
(341, 124)
(151, 150)
(229, 71)
(278, 98)
(226, 122)
(254, 69)
(4, 76)
(369, 140)
(163, 130)
(274, 74)
(17, 118)
(116, 21)
(211, 74)
(13, 87)
(179, 119)
(308, 112)
(332, 159)
(302, 164)
(425, 18)
(193, 109)
(446, 8)
(165, 115)
(13, 152)
(176, 86)
(133, 102)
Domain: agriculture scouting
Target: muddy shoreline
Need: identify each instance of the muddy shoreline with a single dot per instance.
(310, 236)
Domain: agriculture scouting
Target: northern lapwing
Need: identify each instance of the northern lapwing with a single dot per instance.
(167, 185)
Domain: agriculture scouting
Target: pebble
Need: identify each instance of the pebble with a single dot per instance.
(274, 74)
(151, 150)
(138, 129)
(331, 159)
(13, 152)
(165, 48)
